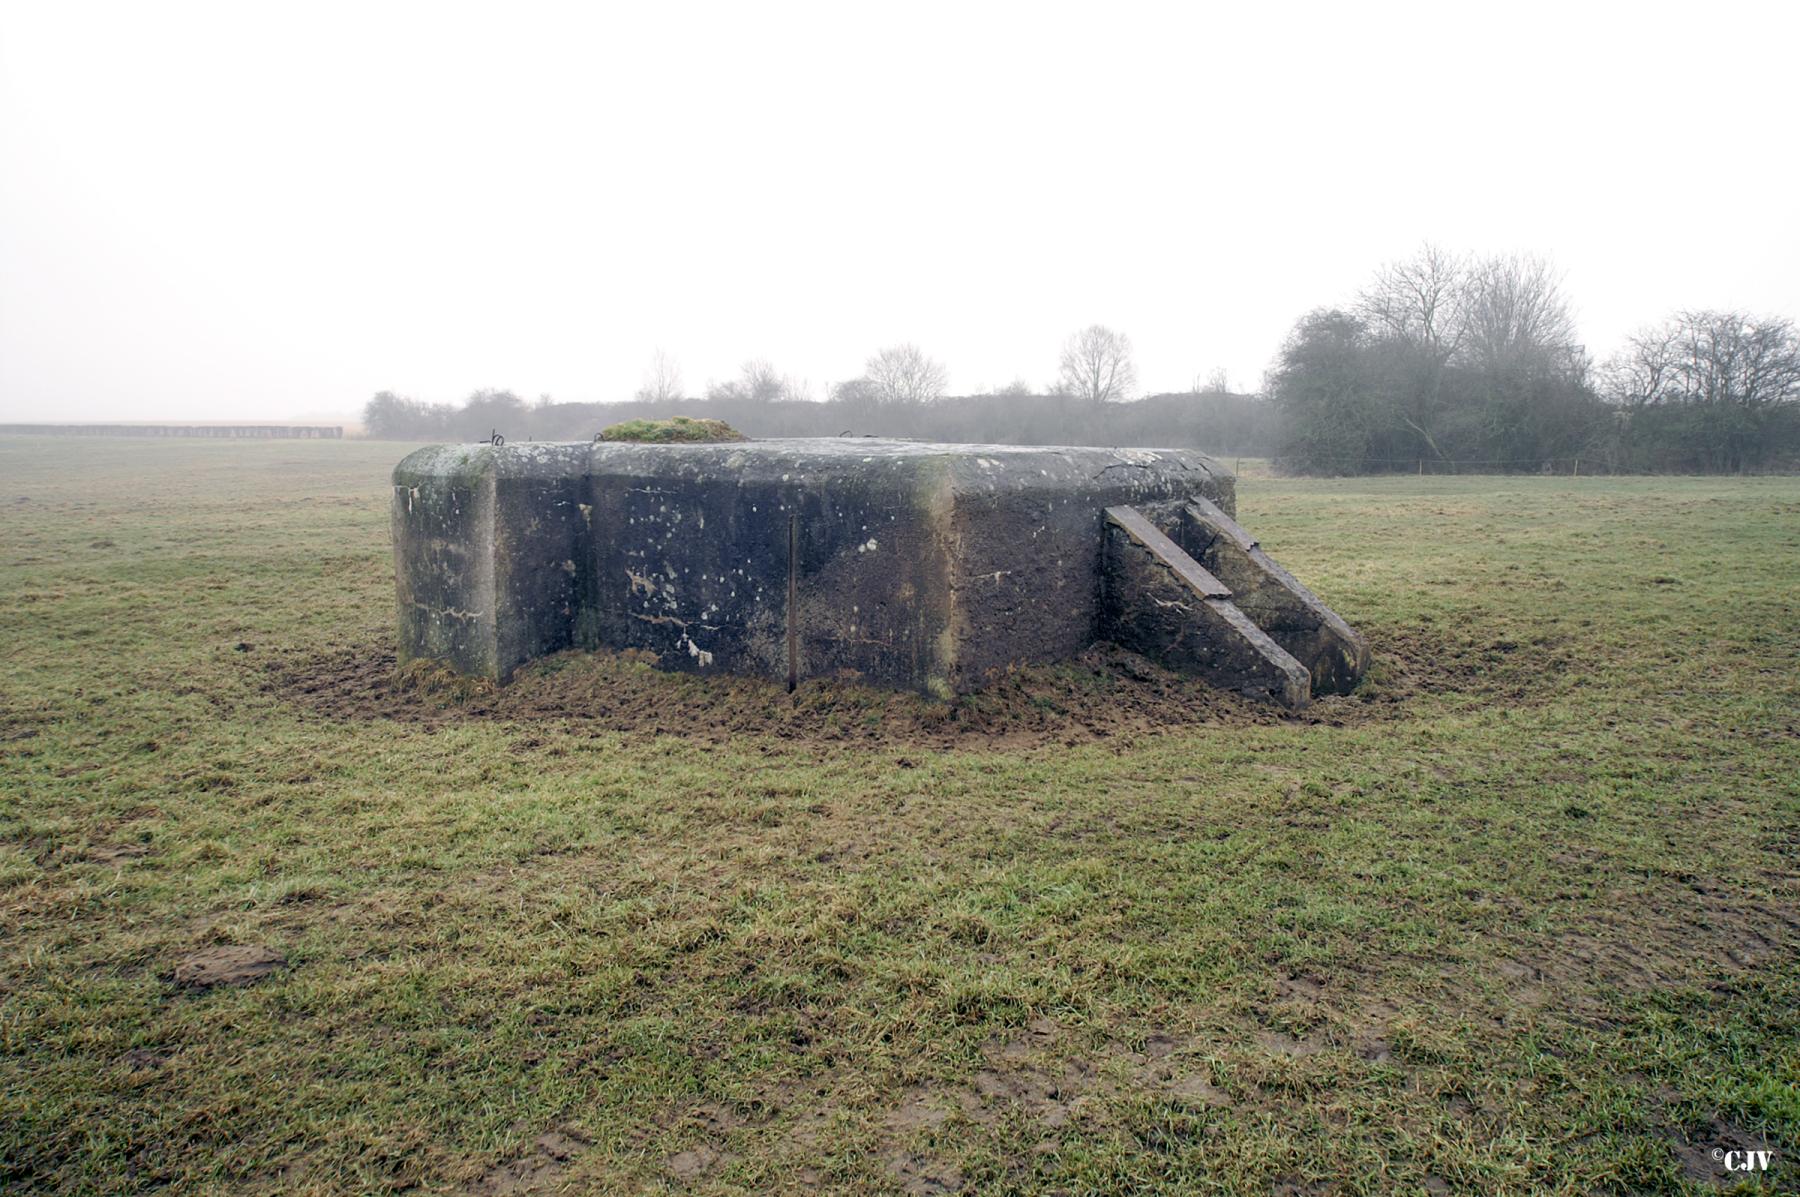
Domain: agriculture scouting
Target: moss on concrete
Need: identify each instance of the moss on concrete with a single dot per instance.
(671, 431)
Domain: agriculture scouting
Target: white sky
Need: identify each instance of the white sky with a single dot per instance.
(252, 210)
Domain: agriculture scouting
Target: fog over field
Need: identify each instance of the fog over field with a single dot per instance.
(227, 212)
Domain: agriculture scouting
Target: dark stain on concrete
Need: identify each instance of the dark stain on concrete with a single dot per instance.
(933, 568)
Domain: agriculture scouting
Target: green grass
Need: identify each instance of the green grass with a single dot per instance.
(671, 430)
(1521, 919)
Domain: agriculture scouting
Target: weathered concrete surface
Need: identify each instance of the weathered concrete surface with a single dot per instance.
(928, 567)
(1274, 599)
(695, 548)
(1162, 603)
(487, 544)
(443, 521)
(1027, 583)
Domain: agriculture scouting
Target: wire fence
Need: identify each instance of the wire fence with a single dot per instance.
(235, 432)
(1572, 466)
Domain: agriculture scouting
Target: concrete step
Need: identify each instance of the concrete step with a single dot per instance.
(1161, 602)
(1274, 599)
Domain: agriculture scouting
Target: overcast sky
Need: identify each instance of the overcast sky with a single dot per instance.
(265, 211)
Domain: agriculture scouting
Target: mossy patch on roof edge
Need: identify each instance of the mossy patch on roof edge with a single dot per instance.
(675, 429)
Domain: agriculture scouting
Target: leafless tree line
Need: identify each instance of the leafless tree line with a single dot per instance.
(1707, 358)
(1219, 421)
(1442, 358)
(1096, 364)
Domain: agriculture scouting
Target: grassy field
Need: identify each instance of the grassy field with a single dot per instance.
(1522, 916)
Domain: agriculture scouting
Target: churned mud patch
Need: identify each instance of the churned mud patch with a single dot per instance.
(1411, 661)
(536, 1171)
(922, 1176)
(1700, 1151)
(692, 1164)
(1043, 1078)
(1700, 932)
(919, 1108)
(1279, 1043)
(1104, 694)
(140, 1065)
(712, 1124)
(229, 965)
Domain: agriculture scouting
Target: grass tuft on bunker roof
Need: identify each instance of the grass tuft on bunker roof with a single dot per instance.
(677, 429)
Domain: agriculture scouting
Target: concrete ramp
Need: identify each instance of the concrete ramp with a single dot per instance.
(1161, 602)
(1274, 599)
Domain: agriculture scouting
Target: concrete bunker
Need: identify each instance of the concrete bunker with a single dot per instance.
(909, 565)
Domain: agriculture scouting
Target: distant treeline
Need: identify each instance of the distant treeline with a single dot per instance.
(1442, 364)
(1218, 422)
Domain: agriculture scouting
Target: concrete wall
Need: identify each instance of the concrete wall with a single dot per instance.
(928, 567)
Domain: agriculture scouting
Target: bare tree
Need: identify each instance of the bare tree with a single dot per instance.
(1515, 316)
(858, 393)
(391, 415)
(1417, 307)
(1096, 365)
(1492, 313)
(903, 374)
(1419, 302)
(1639, 373)
(763, 381)
(759, 382)
(1500, 325)
(1216, 383)
(662, 382)
(1707, 358)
